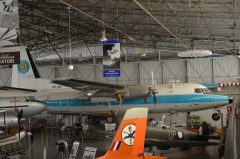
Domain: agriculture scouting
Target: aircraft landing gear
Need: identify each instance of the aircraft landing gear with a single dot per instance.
(216, 116)
(109, 119)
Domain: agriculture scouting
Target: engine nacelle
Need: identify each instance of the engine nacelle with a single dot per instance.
(11, 120)
(103, 99)
(135, 91)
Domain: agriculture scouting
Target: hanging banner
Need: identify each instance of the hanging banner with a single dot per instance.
(111, 59)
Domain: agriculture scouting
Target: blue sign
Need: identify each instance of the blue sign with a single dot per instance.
(111, 73)
(110, 42)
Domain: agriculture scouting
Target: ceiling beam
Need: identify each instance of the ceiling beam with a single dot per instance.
(161, 24)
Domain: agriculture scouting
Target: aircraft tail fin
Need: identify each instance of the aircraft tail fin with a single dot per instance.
(24, 73)
(130, 136)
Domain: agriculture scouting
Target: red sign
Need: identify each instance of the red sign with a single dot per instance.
(9, 58)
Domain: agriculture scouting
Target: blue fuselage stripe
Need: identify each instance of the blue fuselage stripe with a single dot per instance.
(160, 99)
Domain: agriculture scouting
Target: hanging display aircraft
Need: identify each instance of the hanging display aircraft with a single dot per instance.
(10, 122)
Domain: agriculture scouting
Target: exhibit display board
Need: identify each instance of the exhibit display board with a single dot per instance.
(111, 59)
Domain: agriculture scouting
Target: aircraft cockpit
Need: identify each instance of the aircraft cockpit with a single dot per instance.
(202, 90)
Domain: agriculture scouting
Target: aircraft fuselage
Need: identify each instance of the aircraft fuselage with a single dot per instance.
(30, 108)
(162, 103)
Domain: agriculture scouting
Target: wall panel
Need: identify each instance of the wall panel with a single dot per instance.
(226, 69)
(129, 73)
(174, 70)
(207, 70)
(146, 69)
(47, 72)
(64, 72)
(200, 70)
(85, 72)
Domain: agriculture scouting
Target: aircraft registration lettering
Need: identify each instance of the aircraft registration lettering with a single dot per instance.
(57, 86)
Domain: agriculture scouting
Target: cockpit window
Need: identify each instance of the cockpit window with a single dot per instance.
(202, 90)
(198, 90)
(206, 91)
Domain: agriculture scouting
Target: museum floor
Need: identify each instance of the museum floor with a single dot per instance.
(35, 151)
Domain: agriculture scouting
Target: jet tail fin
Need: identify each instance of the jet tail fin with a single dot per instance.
(130, 136)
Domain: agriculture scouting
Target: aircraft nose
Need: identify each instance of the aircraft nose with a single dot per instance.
(230, 100)
(221, 98)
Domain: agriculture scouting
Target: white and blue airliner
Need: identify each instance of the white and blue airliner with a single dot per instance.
(79, 96)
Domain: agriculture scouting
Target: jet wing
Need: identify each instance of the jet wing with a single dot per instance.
(166, 144)
(90, 85)
(6, 92)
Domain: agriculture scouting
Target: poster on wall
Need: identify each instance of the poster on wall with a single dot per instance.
(9, 22)
(111, 59)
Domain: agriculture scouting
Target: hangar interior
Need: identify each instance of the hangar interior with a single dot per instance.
(160, 26)
(152, 34)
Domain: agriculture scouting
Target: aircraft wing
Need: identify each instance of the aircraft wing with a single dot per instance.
(7, 92)
(97, 89)
(166, 144)
(83, 84)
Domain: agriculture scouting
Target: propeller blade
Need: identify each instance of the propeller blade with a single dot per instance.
(19, 114)
(154, 98)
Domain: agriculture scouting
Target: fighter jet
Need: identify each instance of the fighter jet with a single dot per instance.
(166, 137)
(12, 122)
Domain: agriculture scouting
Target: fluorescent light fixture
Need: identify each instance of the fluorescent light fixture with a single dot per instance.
(195, 53)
